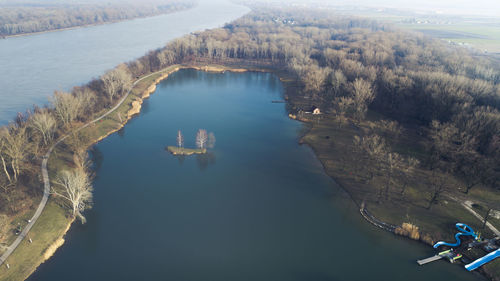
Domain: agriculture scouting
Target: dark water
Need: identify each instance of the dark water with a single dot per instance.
(259, 207)
(32, 67)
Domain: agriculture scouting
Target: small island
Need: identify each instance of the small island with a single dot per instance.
(185, 151)
(203, 140)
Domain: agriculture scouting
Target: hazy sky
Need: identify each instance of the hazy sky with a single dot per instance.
(476, 7)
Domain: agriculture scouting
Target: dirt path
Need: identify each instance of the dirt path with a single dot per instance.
(45, 174)
(467, 204)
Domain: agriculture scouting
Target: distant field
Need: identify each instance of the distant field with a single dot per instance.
(481, 33)
(479, 36)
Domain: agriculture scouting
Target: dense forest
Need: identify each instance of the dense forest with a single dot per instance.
(348, 66)
(20, 18)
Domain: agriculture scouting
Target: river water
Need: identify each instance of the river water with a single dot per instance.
(32, 67)
(257, 207)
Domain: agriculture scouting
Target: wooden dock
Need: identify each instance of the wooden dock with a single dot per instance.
(428, 260)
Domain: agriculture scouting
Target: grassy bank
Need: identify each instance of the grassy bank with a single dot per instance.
(185, 151)
(331, 140)
(48, 232)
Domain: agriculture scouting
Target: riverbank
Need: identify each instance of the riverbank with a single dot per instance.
(319, 129)
(409, 211)
(48, 233)
(94, 24)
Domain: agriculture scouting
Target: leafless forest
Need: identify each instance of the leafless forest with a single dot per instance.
(19, 17)
(346, 65)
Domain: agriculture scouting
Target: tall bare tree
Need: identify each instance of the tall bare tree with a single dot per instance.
(77, 143)
(438, 184)
(14, 148)
(363, 95)
(87, 99)
(375, 147)
(201, 138)
(76, 188)
(45, 124)
(116, 82)
(180, 139)
(66, 106)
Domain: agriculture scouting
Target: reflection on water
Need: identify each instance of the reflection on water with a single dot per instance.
(121, 132)
(204, 160)
(257, 207)
(97, 158)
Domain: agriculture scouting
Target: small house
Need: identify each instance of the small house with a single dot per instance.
(315, 110)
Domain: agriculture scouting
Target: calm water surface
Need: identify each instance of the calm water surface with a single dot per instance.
(258, 207)
(32, 67)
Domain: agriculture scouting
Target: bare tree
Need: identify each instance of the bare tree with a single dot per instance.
(201, 138)
(180, 139)
(470, 168)
(116, 82)
(6, 187)
(45, 124)
(438, 184)
(315, 78)
(76, 188)
(345, 105)
(363, 95)
(66, 106)
(375, 147)
(165, 57)
(337, 83)
(14, 148)
(77, 143)
(87, 99)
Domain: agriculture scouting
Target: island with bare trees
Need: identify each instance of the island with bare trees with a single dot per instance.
(204, 140)
(409, 125)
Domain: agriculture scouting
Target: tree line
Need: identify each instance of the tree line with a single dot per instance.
(20, 19)
(351, 65)
(346, 65)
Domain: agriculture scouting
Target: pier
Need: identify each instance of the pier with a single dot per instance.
(428, 260)
(451, 255)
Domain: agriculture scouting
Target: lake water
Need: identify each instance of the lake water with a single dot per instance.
(258, 207)
(32, 67)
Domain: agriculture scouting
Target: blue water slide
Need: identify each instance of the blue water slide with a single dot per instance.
(481, 261)
(464, 229)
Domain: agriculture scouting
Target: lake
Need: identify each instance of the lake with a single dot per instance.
(257, 207)
(32, 67)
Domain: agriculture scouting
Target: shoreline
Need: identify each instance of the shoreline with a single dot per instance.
(89, 25)
(132, 109)
(133, 104)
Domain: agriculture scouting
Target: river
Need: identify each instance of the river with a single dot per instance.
(32, 67)
(257, 207)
